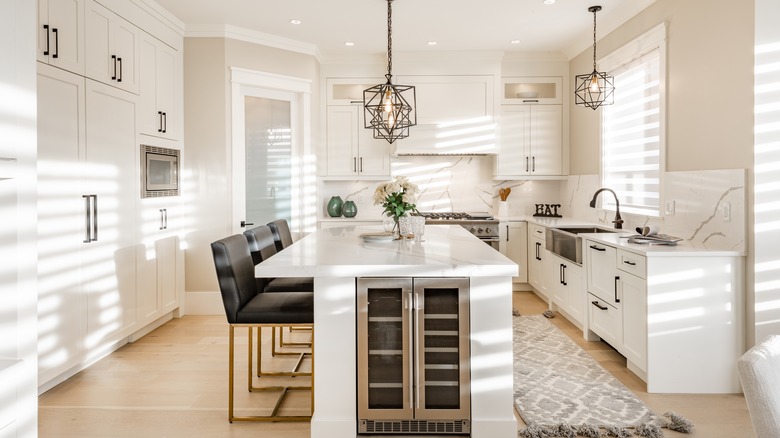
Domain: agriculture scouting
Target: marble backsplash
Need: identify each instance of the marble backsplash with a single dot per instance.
(709, 206)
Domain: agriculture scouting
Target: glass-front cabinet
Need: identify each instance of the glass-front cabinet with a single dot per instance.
(413, 355)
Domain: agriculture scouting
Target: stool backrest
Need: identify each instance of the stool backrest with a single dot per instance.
(281, 232)
(759, 371)
(261, 243)
(235, 273)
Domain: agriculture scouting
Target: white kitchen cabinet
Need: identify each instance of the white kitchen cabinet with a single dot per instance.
(532, 90)
(531, 142)
(567, 288)
(62, 305)
(61, 34)
(353, 153)
(539, 261)
(513, 243)
(452, 99)
(158, 109)
(676, 318)
(112, 47)
(159, 259)
(110, 173)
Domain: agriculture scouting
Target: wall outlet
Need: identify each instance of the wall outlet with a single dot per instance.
(725, 210)
(670, 208)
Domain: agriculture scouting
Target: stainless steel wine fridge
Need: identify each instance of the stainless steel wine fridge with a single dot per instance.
(413, 356)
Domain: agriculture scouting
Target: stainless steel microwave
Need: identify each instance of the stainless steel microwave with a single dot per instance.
(159, 171)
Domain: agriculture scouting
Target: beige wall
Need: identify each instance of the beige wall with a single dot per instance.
(709, 85)
(207, 162)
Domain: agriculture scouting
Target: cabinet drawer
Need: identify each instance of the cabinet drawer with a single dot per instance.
(631, 263)
(606, 320)
(536, 231)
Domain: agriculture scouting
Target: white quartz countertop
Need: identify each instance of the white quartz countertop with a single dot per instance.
(619, 239)
(446, 251)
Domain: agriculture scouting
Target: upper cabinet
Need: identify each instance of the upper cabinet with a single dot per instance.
(112, 48)
(531, 142)
(352, 151)
(158, 111)
(61, 34)
(530, 90)
(451, 99)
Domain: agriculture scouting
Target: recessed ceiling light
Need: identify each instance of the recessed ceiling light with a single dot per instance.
(295, 21)
(349, 44)
(432, 43)
(549, 2)
(515, 41)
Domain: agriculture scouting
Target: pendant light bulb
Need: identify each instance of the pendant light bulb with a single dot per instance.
(597, 88)
(594, 84)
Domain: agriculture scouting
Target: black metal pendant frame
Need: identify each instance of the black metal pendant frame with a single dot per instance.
(593, 97)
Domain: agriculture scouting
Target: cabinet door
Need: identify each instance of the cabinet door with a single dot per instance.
(634, 297)
(61, 34)
(601, 271)
(606, 321)
(545, 133)
(513, 157)
(168, 268)
(342, 140)
(62, 324)
(540, 266)
(451, 99)
(514, 244)
(575, 295)
(111, 173)
(556, 282)
(373, 153)
(112, 47)
(157, 109)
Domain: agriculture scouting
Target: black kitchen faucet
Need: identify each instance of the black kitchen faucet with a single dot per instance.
(618, 220)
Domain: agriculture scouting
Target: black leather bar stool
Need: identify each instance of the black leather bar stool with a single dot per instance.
(247, 306)
(283, 238)
(262, 246)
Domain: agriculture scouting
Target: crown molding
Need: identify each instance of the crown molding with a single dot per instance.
(250, 36)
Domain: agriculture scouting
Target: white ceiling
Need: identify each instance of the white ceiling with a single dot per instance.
(564, 27)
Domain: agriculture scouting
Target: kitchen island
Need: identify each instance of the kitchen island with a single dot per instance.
(337, 257)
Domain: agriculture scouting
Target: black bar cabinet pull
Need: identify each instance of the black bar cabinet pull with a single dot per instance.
(113, 58)
(533, 164)
(119, 79)
(354, 164)
(165, 121)
(361, 164)
(596, 303)
(563, 274)
(56, 42)
(597, 248)
(617, 279)
(629, 262)
(244, 224)
(526, 164)
(507, 233)
(46, 27)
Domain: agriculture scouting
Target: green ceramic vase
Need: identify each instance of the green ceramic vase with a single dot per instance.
(335, 206)
(349, 209)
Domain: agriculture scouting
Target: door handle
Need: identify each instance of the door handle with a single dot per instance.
(617, 280)
(113, 57)
(507, 233)
(361, 164)
(526, 164)
(629, 262)
(119, 79)
(244, 224)
(160, 129)
(165, 122)
(596, 303)
(56, 43)
(597, 248)
(563, 275)
(91, 218)
(533, 164)
(354, 164)
(46, 28)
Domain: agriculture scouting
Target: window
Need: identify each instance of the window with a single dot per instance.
(632, 142)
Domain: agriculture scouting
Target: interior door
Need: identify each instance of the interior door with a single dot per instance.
(264, 180)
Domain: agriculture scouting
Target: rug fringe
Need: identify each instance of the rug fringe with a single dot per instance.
(677, 423)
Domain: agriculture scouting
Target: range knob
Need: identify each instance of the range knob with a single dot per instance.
(473, 230)
(488, 230)
(479, 230)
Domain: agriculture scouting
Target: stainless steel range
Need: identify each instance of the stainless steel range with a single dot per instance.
(482, 225)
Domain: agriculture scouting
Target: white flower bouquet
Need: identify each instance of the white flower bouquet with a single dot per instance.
(397, 197)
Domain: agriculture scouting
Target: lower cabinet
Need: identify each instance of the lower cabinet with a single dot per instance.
(513, 243)
(618, 300)
(567, 289)
(539, 260)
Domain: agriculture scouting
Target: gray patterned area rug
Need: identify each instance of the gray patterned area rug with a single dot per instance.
(556, 383)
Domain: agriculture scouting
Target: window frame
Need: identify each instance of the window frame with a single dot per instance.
(654, 39)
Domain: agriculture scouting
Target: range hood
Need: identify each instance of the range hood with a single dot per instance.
(465, 138)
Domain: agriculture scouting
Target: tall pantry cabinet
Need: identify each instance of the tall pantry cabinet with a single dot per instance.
(108, 270)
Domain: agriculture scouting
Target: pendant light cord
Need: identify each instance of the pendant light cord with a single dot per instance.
(594, 40)
(390, 39)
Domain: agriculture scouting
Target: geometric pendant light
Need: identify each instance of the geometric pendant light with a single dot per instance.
(389, 109)
(594, 89)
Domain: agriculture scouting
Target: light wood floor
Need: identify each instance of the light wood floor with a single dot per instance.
(171, 383)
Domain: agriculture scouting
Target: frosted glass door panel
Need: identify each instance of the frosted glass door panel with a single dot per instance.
(268, 133)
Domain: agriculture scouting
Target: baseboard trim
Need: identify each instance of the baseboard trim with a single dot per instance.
(204, 303)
